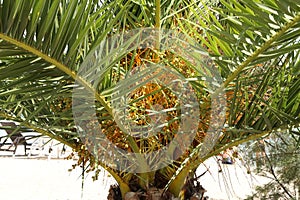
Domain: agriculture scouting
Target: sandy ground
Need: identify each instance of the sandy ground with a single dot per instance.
(232, 183)
(43, 179)
(46, 177)
(49, 179)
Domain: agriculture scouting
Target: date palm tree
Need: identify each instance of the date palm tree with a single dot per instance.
(47, 48)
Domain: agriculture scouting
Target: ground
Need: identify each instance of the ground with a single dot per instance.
(23, 178)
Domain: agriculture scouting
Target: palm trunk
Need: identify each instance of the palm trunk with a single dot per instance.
(192, 190)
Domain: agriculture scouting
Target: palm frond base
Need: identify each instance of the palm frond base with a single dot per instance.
(190, 191)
